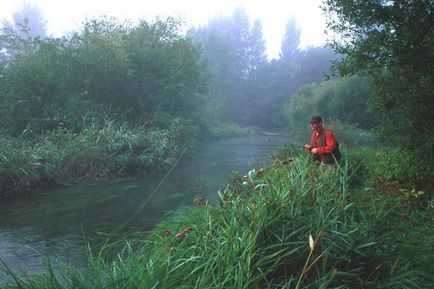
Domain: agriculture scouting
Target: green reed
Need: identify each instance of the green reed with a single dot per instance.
(93, 154)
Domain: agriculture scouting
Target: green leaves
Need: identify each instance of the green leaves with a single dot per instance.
(392, 42)
(342, 102)
(127, 71)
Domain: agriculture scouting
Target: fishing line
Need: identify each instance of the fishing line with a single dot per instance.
(246, 145)
(145, 202)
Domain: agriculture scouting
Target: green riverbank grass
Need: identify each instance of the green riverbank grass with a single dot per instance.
(95, 154)
(291, 225)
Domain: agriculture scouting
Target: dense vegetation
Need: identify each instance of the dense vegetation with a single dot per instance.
(387, 83)
(343, 102)
(94, 154)
(128, 72)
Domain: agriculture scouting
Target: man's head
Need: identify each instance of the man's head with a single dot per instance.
(316, 122)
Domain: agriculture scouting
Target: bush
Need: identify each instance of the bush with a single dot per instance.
(342, 101)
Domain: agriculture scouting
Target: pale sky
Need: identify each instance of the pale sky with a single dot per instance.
(65, 15)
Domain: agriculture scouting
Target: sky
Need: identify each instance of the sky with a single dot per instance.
(64, 16)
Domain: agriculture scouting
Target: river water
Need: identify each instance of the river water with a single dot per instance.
(56, 222)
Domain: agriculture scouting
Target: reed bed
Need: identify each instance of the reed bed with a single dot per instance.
(94, 154)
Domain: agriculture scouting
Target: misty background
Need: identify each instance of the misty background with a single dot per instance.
(237, 82)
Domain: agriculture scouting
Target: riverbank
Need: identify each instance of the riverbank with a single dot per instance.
(289, 225)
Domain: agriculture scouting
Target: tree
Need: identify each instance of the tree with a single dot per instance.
(235, 53)
(130, 72)
(313, 64)
(339, 101)
(290, 43)
(28, 24)
(392, 42)
(294, 68)
(244, 86)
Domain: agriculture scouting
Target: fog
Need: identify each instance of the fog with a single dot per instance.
(62, 17)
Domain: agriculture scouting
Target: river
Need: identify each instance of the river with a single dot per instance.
(56, 222)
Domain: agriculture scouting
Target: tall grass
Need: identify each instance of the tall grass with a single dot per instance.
(96, 153)
(285, 226)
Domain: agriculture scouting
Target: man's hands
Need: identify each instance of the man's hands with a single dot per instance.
(309, 148)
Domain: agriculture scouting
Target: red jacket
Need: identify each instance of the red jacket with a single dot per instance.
(330, 141)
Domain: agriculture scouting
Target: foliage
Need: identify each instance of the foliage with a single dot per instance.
(27, 23)
(285, 226)
(342, 103)
(130, 72)
(392, 42)
(352, 136)
(294, 68)
(391, 165)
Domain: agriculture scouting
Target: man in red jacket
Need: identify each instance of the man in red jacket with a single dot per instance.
(323, 145)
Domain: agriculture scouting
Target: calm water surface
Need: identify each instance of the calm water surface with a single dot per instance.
(56, 222)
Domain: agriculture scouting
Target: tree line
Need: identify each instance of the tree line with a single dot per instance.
(245, 87)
